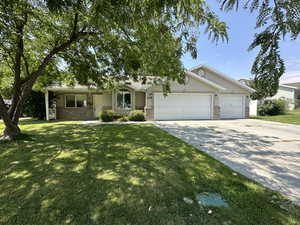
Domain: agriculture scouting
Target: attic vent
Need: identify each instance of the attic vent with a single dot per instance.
(201, 73)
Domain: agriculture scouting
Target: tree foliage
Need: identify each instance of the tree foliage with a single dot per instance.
(96, 42)
(260, 92)
(278, 19)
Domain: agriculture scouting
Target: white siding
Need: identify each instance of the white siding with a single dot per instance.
(253, 107)
(192, 85)
(287, 94)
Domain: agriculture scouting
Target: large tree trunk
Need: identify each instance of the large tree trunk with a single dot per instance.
(11, 132)
(23, 87)
(11, 118)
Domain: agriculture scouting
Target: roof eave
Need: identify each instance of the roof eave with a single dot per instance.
(251, 90)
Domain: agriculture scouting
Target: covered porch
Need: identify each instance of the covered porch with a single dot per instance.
(81, 103)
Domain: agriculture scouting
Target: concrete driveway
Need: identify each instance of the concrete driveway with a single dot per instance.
(267, 152)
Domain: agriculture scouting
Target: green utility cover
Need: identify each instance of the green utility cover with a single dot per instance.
(210, 199)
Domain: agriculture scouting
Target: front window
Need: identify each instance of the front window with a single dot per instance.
(76, 101)
(124, 100)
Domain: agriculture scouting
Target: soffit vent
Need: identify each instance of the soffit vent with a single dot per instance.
(201, 73)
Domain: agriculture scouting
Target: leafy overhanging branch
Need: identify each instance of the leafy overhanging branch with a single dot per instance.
(280, 18)
(96, 41)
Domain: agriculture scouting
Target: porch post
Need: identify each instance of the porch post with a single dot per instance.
(113, 100)
(133, 100)
(47, 104)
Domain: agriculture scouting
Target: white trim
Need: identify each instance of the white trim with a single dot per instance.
(210, 83)
(287, 86)
(47, 104)
(123, 99)
(113, 102)
(244, 106)
(146, 100)
(75, 95)
(212, 103)
(72, 89)
(223, 76)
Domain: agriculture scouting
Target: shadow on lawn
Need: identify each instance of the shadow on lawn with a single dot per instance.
(132, 174)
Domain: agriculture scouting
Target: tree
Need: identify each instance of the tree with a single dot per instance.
(280, 19)
(259, 93)
(95, 42)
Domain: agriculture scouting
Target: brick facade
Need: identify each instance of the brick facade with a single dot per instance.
(216, 108)
(84, 113)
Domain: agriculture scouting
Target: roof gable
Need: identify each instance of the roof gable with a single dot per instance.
(221, 76)
(205, 81)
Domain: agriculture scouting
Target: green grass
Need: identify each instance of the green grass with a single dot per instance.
(292, 117)
(63, 173)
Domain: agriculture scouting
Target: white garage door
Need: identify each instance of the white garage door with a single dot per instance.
(182, 106)
(232, 106)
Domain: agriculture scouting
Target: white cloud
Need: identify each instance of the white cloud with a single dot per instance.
(290, 77)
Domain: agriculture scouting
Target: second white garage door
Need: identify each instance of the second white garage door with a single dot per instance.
(232, 106)
(182, 106)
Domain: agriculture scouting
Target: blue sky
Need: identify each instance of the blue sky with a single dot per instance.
(232, 58)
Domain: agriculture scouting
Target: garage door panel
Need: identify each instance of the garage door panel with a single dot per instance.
(182, 106)
(232, 106)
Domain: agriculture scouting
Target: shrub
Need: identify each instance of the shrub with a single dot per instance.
(136, 115)
(119, 115)
(272, 107)
(123, 119)
(107, 116)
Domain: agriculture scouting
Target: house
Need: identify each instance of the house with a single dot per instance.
(294, 82)
(206, 94)
(289, 91)
(290, 94)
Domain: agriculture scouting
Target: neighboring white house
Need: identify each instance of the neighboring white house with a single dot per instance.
(294, 82)
(289, 92)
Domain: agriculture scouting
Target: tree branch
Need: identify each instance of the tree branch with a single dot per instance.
(73, 33)
(26, 65)
(29, 81)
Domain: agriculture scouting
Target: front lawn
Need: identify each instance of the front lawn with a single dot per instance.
(292, 117)
(64, 173)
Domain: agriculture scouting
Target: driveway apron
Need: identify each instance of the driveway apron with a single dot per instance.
(267, 152)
